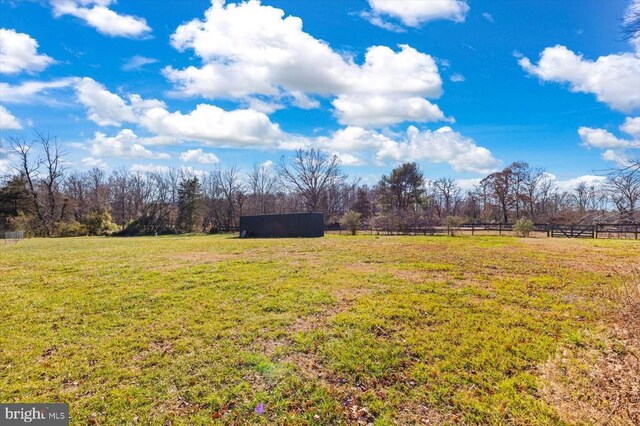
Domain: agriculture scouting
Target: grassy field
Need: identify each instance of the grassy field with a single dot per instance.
(384, 330)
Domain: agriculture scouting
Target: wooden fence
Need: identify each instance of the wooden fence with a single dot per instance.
(601, 230)
(551, 230)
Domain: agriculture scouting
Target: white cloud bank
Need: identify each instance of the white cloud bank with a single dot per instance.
(96, 14)
(206, 123)
(621, 151)
(199, 156)
(614, 79)
(414, 13)
(5, 158)
(215, 127)
(376, 110)
(125, 144)
(19, 53)
(440, 146)
(8, 121)
(248, 49)
(34, 91)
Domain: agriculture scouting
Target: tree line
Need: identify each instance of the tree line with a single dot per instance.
(44, 197)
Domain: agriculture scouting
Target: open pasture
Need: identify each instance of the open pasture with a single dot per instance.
(382, 330)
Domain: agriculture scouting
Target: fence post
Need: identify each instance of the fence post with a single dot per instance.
(473, 229)
(500, 229)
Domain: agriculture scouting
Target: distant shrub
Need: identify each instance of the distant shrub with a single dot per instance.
(523, 227)
(71, 229)
(145, 225)
(100, 224)
(352, 221)
(452, 223)
(23, 222)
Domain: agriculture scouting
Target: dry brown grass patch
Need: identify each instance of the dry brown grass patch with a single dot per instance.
(601, 386)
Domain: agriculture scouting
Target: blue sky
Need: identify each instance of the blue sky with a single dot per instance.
(463, 88)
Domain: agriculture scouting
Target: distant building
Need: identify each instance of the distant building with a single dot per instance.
(292, 225)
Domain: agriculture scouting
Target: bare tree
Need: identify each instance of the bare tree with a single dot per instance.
(498, 185)
(520, 175)
(447, 195)
(43, 176)
(76, 190)
(262, 183)
(53, 173)
(624, 187)
(310, 173)
(534, 187)
(28, 168)
(233, 193)
(98, 190)
(631, 22)
(583, 195)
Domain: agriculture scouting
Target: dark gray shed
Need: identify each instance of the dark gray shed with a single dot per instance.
(291, 225)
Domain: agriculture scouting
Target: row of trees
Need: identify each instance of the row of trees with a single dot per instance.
(44, 197)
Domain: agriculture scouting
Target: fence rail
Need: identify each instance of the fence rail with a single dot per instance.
(601, 230)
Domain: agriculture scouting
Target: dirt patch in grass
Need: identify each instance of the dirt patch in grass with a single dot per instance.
(598, 385)
(343, 299)
(203, 257)
(420, 414)
(585, 255)
(420, 277)
(362, 267)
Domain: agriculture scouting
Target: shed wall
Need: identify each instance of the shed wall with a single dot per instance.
(294, 225)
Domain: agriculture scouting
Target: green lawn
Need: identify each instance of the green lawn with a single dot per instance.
(341, 329)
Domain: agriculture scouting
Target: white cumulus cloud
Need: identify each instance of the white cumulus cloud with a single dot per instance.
(19, 52)
(96, 13)
(614, 79)
(90, 162)
(441, 146)
(199, 156)
(249, 49)
(569, 185)
(103, 107)
(206, 123)
(378, 110)
(8, 121)
(600, 138)
(616, 149)
(631, 126)
(213, 126)
(125, 144)
(414, 13)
